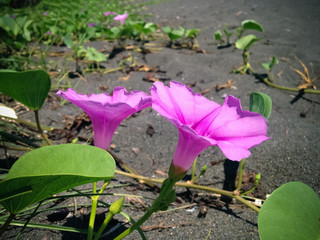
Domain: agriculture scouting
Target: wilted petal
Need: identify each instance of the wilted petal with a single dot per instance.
(107, 112)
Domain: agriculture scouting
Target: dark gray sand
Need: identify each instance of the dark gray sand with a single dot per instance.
(291, 29)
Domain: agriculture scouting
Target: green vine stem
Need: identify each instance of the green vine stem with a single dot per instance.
(165, 193)
(266, 81)
(103, 226)
(270, 83)
(36, 113)
(94, 200)
(239, 184)
(190, 185)
(193, 173)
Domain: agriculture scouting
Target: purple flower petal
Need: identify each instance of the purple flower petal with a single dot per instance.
(107, 112)
(92, 24)
(121, 18)
(109, 13)
(203, 123)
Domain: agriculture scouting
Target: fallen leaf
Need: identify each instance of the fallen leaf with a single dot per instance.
(229, 84)
(125, 78)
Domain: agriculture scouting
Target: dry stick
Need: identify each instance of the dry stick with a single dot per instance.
(190, 185)
(30, 124)
(130, 170)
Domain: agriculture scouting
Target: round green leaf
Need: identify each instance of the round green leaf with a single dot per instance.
(48, 170)
(218, 35)
(30, 87)
(260, 103)
(290, 212)
(246, 42)
(252, 25)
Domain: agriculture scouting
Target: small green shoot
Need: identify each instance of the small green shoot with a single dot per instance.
(269, 65)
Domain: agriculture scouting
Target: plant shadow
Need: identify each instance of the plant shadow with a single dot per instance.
(113, 229)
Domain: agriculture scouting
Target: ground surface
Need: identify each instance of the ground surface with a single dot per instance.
(290, 30)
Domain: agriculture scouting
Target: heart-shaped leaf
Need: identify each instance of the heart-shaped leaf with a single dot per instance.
(246, 42)
(30, 87)
(260, 103)
(48, 170)
(269, 65)
(252, 25)
(291, 212)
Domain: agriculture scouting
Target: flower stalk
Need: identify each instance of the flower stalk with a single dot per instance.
(167, 195)
(240, 176)
(94, 200)
(36, 114)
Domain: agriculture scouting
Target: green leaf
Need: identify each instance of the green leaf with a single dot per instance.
(218, 35)
(226, 31)
(192, 33)
(30, 87)
(252, 25)
(94, 55)
(8, 24)
(291, 212)
(176, 33)
(246, 42)
(152, 27)
(68, 41)
(260, 103)
(26, 32)
(52, 169)
(269, 65)
(166, 29)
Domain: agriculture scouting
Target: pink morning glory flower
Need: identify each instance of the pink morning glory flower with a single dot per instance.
(107, 112)
(121, 18)
(202, 123)
(109, 13)
(44, 13)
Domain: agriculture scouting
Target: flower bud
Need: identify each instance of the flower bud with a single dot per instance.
(116, 207)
